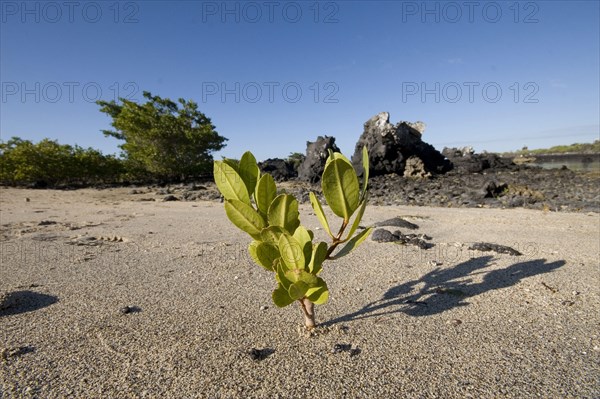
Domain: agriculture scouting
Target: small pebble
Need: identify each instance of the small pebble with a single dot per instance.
(338, 348)
(27, 200)
(455, 322)
(264, 307)
(130, 309)
(359, 289)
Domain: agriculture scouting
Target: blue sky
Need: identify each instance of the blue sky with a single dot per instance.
(272, 75)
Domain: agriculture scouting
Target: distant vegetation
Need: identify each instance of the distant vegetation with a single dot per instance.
(50, 163)
(163, 141)
(577, 148)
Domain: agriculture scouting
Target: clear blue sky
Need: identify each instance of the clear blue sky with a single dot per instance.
(495, 75)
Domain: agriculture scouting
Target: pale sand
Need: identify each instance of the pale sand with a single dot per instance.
(528, 327)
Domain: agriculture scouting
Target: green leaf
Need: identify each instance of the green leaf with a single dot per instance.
(244, 217)
(271, 234)
(316, 205)
(230, 183)
(281, 297)
(319, 254)
(267, 253)
(252, 251)
(265, 193)
(318, 294)
(301, 275)
(283, 212)
(280, 270)
(291, 252)
(297, 290)
(353, 243)
(304, 238)
(365, 163)
(358, 218)
(340, 187)
(249, 171)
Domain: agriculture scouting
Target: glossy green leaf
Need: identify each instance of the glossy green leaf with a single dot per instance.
(252, 251)
(265, 193)
(316, 205)
(244, 217)
(281, 297)
(280, 271)
(365, 163)
(230, 183)
(267, 253)
(271, 234)
(304, 238)
(319, 254)
(283, 212)
(291, 252)
(249, 171)
(301, 275)
(319, 294)
(297, 290)
(340, 188)
(234, 163)
(358, 218)
(353, 243)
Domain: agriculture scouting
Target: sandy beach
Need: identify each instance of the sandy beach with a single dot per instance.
(105, 295)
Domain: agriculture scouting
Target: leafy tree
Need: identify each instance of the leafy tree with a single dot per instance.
(165, 139)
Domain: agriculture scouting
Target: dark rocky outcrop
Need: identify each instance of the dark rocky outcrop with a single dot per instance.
(312, 167)
(390, 146)
(280, 169)
(465, 160)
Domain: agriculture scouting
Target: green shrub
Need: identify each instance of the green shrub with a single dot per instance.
(51, 163)
(280, 244)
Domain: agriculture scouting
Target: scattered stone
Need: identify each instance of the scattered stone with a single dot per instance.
(317, 152)
(130, 309)
(46, 223)
(549, 288)
(455, 322)
(487, 247)
(568, 303)
(170, 198)
(339, 348)
(397, 222)
(435, 263)
(383, 235)
(264, 307)
(355, 352)
(260, 354)
(27, 199)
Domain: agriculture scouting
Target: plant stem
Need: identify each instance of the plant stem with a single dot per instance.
(308, 310)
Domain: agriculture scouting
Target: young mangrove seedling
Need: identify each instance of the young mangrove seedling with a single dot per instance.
(280, 244)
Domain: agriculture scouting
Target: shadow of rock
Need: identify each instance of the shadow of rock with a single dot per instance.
(444, 289)
(24, 301)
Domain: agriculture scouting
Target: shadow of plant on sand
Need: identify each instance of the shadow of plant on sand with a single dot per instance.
(446, 288)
